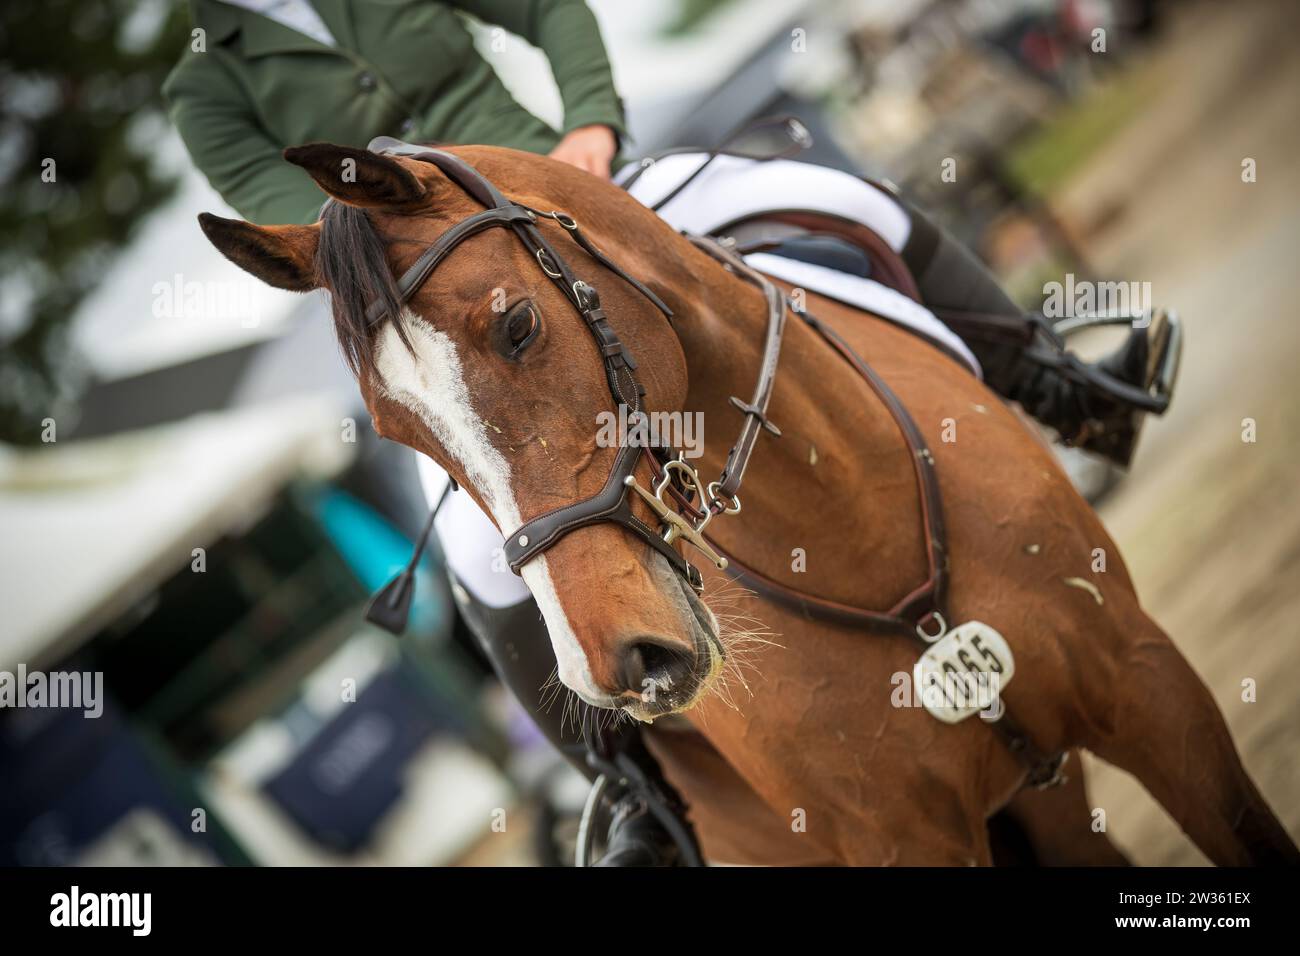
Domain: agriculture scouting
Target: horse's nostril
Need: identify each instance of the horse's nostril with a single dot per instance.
(651, 668)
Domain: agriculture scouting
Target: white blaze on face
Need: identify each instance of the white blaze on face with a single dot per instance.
(431, 384)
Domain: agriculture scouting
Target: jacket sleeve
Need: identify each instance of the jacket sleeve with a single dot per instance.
(566, 31)
(231, 149)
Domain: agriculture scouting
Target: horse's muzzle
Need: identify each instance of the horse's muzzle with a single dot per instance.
(662, 677)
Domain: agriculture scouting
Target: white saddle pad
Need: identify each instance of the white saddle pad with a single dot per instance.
(734, 188)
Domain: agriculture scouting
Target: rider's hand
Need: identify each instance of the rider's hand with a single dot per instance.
(588, 147)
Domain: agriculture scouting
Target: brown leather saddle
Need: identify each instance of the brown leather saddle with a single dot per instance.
(774, 232)
(768, 230)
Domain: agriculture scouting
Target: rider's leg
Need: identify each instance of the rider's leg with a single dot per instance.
(515, 641)
(509, 628)
(1092, 405)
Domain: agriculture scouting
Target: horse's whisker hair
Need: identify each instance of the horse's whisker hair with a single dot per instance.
(742, 637)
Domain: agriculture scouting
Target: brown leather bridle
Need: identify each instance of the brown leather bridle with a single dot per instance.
(682, 502)
(676, 481)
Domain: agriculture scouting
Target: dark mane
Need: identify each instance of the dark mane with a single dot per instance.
(352, 264)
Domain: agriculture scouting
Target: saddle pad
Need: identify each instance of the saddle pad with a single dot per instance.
(733, 188)
(868, 295)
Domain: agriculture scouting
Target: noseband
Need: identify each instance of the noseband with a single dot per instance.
(681, 501)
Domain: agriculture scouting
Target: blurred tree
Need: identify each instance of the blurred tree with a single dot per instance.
(80, 112)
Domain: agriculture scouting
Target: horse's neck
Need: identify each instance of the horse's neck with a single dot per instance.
(802, 489)
(817, 399)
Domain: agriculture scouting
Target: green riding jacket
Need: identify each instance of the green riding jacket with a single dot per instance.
(404, 68)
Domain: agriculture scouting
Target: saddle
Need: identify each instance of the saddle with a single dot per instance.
(846, 244)
(823, 229)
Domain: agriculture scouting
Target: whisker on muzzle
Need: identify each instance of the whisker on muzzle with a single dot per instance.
(743, 638)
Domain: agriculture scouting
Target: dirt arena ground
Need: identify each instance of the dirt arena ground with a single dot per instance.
(1208, 523)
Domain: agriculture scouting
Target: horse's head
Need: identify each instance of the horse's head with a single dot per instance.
(491, 371)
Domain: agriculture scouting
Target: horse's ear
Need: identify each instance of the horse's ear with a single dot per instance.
(357, 177)
(282, 256)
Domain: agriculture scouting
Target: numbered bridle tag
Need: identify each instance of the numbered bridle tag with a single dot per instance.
(963, 672)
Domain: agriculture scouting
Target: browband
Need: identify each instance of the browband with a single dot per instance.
(423, 267)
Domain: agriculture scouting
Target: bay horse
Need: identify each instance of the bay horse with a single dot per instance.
(787, 743)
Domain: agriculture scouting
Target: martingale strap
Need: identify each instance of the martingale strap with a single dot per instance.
(689, 505)
(928, 601)
(755, 410)
(912, 615)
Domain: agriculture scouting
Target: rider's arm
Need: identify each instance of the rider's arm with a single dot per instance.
(566, 31)
(228, 146)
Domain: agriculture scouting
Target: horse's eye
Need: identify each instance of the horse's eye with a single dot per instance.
(521, 325)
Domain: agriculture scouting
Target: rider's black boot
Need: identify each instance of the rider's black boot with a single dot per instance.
(1097, 406)
(515, 641)
(648, 821)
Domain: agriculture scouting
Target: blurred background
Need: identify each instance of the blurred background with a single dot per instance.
(193, 503)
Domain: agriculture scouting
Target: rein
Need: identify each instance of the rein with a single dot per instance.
(680, 499)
